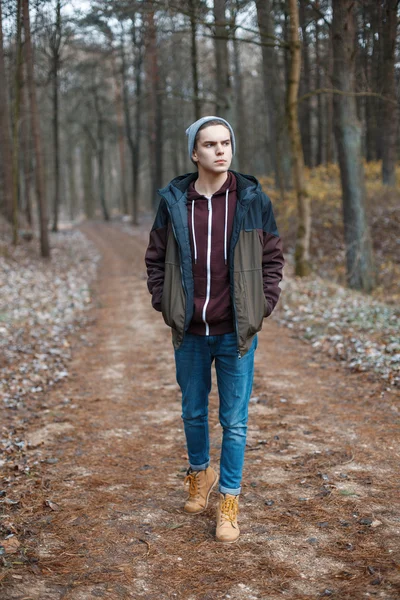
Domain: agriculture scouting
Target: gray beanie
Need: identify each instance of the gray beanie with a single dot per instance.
(194, 127)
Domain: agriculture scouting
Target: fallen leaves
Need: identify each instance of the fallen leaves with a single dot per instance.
(52, 505)
(11, 545)
(362, 333)
(40, 305)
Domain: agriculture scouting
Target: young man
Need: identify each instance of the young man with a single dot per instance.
(214, 263)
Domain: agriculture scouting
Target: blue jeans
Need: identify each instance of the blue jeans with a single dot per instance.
(193, 360)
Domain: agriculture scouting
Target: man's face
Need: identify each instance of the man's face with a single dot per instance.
(213, 152)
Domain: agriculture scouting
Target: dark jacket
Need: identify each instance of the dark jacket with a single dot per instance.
(255, 259)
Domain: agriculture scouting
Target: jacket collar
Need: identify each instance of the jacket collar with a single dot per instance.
(175, 191)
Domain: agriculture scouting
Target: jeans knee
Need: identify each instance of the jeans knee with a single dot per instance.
(235, 430)
(193, 418)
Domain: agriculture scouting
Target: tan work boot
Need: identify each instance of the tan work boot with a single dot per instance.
(201, 484)
(227, 526)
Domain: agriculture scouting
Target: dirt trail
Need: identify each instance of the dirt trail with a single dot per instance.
(318, 509)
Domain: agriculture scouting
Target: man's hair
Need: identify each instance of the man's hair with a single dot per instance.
(209, 124)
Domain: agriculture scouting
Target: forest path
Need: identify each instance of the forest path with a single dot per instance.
(317, 512)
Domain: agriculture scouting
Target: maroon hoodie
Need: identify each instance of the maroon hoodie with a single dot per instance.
(209, 242)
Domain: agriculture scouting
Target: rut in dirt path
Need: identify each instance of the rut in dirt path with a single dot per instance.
(318, 504)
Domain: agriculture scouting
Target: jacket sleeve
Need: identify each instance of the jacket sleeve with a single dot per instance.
(272, 259)
(155, 255)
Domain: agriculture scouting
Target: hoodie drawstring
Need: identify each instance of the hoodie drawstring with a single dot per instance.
(194, 234)
(225, 230)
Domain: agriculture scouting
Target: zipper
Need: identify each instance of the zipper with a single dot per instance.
(233, 296)
(236, 326)
(208, 266)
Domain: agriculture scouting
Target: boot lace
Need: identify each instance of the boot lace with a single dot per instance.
(191, 479)
(229, 509)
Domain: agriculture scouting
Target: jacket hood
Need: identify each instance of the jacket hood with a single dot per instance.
(176, 188)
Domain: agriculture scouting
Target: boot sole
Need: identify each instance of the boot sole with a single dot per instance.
(208, 496)
(226, 541)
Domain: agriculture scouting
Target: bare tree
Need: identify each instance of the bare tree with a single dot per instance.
(390, 112)
(5, 134)
(154, 107)
(100, 142)
(223, 104)
(34, 117)
(305, 86)
(318, 78)
(348, 133)
(194, 60)
(55, 45)
(121, 134)
(16, 123)
(138, 47)
(133, 137)
(302, 253)
(277, 149)
(26, 153)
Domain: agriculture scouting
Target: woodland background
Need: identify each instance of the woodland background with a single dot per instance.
(95, 98)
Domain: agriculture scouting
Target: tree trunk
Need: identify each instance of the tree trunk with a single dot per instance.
(100, 142)
(367, 50)
(302, 252)
(320, 99)
(5, 135)
(360, 271)
(16, 124)
(154, 118)
(161, 85)
(120, 122)
(133, 140)
(136, 146)
(305, 109)
(88, 179)
(378, 105)
(240, 113)
(194, 60)
(223, 104)
(27, 154)
(56, 144)
(277, 152)
(329, 141)
(390, 115)
(34, 114)
(71, 180)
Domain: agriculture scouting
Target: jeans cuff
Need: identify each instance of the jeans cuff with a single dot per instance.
(231, 491)
(202, 467)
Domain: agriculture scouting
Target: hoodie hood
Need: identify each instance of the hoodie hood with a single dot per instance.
(229, 184)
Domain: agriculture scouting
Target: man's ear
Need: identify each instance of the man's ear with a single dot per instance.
(194, 156)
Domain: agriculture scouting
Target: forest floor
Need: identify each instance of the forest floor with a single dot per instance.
(100, 512)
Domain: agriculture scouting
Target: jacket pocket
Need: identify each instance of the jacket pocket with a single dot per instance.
(250, 302)
(249, 296)
(255, 299)
(173, 300)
